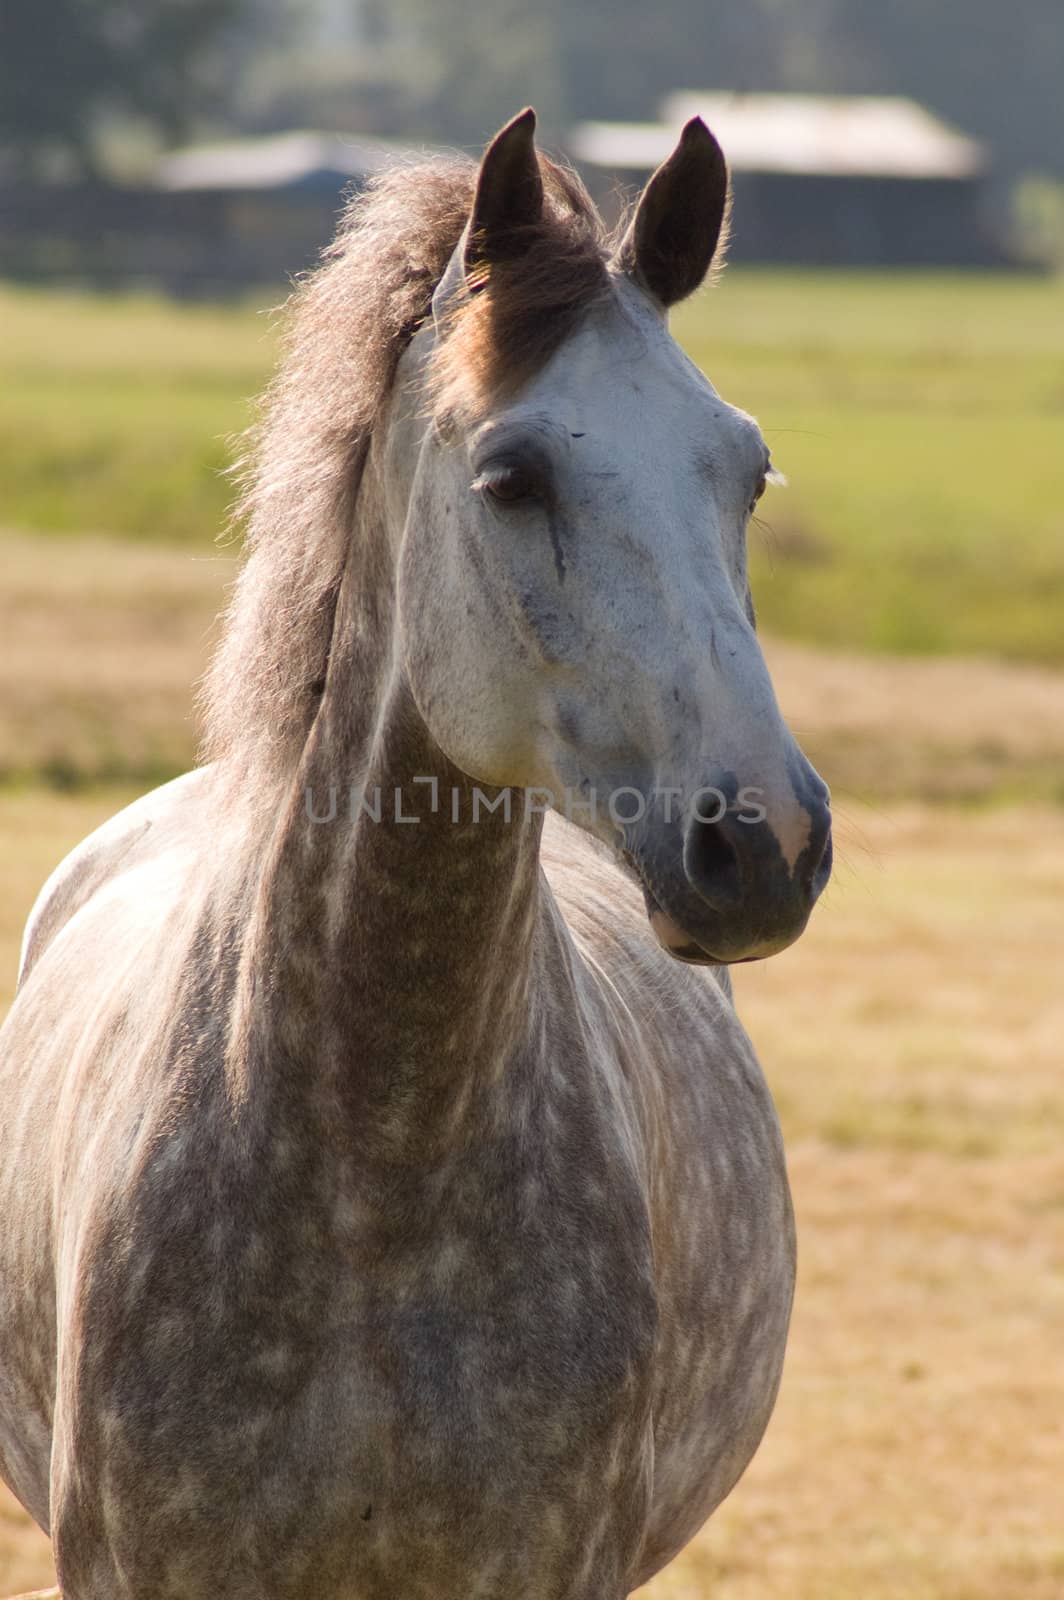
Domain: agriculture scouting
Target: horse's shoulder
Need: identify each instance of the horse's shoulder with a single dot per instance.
(146, 827)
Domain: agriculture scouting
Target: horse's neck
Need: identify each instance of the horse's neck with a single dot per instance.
(392, 961)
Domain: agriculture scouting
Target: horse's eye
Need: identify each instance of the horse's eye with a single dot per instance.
(510, 485)
(758, 492)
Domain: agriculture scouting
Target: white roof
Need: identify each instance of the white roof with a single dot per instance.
(273, 162)
(880, 136)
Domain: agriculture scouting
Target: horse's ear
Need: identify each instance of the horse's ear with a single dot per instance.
(670, 243)
(508, 198)
(509, 194)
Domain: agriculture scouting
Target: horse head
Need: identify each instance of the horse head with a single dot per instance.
(573, 602)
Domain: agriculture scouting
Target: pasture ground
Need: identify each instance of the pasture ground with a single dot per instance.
(104, 639)
(912, 1038)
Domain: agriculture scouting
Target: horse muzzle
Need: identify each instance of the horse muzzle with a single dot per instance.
(728, 883)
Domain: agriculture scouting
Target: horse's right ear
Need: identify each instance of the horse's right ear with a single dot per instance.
(671, 241)
(508, 199)
(509, 193)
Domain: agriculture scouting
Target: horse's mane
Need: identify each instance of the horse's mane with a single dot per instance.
(348, 323)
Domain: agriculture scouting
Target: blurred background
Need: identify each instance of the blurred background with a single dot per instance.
(894, 316)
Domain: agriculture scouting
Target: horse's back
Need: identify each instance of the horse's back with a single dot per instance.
(140, 831)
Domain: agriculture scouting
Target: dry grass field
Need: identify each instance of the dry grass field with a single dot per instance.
(104, 638)
(913, 1039)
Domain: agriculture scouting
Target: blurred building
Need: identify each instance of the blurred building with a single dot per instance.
(274, 200)
(819, 180)
(218, 218)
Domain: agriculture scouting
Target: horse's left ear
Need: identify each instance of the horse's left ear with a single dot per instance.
(670, 243)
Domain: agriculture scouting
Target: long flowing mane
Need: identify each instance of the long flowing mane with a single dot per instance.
(348, 323)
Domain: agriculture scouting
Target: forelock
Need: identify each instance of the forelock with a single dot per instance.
(511, 316)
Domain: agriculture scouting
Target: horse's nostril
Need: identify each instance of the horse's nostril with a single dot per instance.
(711, 864)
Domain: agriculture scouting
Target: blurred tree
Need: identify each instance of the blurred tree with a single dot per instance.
(996, 71)
(473, 63)
(1038, 213)
(64, 67)
(455, 69)
(469, 65)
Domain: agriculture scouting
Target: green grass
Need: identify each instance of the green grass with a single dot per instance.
(116, 413)
(919, 419)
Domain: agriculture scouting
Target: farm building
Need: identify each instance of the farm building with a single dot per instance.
(217, 218)
(819, 180)
(274, 200)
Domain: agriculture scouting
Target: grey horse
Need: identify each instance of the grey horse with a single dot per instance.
(392, 1202)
